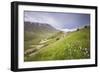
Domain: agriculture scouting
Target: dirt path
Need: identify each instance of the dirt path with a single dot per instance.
(33, 51)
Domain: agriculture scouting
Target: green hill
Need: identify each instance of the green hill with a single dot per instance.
(74, 45)
(34, 32)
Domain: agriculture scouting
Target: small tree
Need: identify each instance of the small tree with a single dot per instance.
(57, 38)
(85, 26)
(77, 29)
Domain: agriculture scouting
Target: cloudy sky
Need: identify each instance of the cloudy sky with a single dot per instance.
(58, 20)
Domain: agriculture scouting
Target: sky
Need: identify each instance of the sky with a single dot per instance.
(62, 21)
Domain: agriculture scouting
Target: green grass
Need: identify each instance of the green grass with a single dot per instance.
(75, 45)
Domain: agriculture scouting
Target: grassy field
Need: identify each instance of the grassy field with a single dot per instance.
(74, 45)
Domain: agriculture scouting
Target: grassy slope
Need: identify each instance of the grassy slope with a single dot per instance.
(74, 46)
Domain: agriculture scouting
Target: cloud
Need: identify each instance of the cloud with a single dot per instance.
(60, 21)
